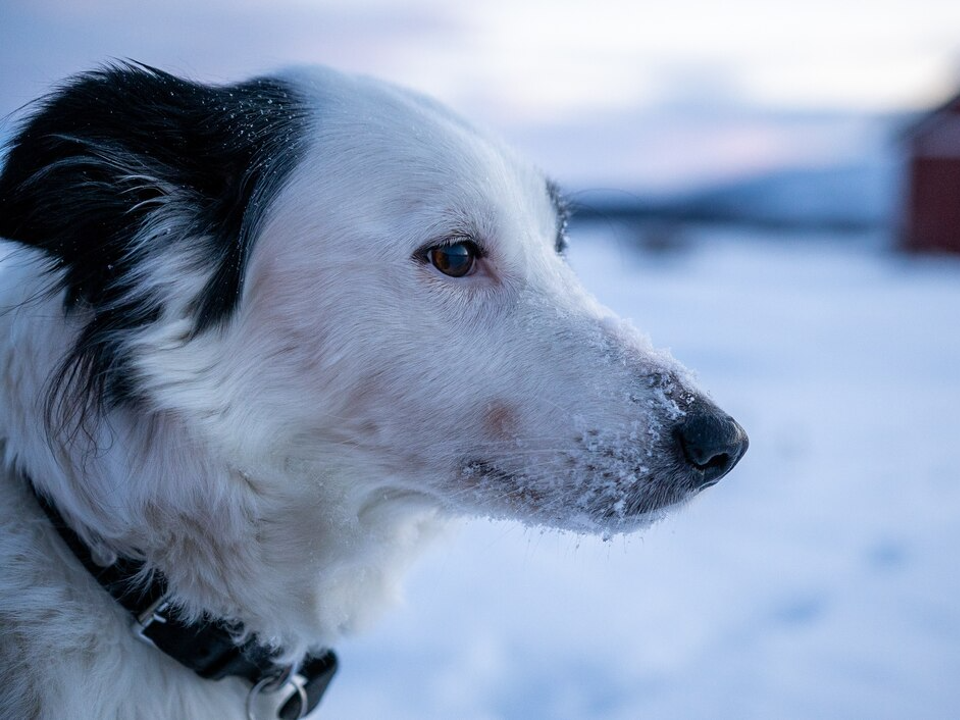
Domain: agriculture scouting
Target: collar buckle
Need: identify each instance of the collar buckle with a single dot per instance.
(152, 614)
(287, 680)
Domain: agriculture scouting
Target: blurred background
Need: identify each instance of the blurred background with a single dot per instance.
(770, 189)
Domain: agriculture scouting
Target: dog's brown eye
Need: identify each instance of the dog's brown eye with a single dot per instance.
(454, 260)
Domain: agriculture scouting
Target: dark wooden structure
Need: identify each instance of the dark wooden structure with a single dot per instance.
(931, 219)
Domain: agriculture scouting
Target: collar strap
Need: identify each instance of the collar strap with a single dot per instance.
(209, 646)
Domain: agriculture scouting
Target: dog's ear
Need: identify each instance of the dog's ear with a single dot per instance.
(127, 167)
(108, 152)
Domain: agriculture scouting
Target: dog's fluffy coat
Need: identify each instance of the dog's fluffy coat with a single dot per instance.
(225, 352)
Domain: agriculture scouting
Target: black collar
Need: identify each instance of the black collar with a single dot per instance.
(209, 646)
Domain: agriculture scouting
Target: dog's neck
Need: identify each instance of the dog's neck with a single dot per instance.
(299, 556)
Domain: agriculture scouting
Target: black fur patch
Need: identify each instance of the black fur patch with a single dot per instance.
(116, 148)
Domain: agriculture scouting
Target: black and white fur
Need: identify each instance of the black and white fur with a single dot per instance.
(224, 351)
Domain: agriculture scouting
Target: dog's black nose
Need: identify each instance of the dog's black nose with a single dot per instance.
(712, 443)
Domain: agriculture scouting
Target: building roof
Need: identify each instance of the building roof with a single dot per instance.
(931, 120)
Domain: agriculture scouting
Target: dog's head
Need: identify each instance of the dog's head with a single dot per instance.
(333, 281)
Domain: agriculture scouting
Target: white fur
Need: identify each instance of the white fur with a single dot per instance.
(291, 463)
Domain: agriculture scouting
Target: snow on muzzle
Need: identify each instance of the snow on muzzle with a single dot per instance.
(607, 480)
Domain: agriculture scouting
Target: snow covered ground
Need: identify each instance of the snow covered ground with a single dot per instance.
(819, 580)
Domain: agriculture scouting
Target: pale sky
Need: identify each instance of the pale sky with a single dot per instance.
(528, 65)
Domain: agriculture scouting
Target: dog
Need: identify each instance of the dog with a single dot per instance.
(260, 342)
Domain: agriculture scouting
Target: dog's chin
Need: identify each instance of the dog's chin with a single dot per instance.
(625, 516)
(601, 503)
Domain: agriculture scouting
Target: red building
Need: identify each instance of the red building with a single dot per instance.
(932, 214)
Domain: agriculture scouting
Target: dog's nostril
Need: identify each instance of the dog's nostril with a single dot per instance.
(712, 443)
(717, 461)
